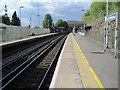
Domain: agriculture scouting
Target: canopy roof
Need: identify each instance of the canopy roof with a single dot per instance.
(75, 22)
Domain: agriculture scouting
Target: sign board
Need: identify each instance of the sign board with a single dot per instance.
(108, 19)
(111, 17)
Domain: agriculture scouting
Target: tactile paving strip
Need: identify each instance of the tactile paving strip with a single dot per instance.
(89, 78)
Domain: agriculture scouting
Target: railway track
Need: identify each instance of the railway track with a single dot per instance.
(32, 70)
(12, 58)
(8, 50)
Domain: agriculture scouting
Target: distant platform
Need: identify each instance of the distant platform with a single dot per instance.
(25, 39)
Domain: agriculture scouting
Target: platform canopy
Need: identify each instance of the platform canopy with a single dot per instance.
(77, 24)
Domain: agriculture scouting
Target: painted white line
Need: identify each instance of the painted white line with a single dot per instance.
(52, 84)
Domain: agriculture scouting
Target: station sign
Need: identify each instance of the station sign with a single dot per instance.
(111, 17)
(108, 19)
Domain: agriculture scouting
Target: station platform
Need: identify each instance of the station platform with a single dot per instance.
(83, 64)
(25, 39)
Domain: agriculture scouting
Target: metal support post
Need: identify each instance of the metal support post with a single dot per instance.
(107, 27)
(116, 36)
(105, 37)
(74, 29)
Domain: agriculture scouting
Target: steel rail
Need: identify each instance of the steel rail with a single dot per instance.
(41, 83)
(21, 56)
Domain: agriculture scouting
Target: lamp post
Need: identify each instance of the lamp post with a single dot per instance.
(38, 13)
(20, 14)
(30, 22)
(0, 18)
(84, 22)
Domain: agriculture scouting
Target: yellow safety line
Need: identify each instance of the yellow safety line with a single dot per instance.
(90, 68)
(96, 78)
(81, 52)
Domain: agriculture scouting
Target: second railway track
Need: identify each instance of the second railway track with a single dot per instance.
(35, 68)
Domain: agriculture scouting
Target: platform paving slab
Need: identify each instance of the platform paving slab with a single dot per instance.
(68, 75)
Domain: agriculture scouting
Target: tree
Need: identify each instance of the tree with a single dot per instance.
(65, 24)
(97, 11)
(5, 19)
(47, 22)
(15, 19)
(61, 24)
(36, 27)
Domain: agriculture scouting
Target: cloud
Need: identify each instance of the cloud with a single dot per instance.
(49, 1)
(11, 6)
(75, 1)
(57, 9)
(51, 8)
(24, 3)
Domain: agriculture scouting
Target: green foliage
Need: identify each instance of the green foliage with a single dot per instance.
(47, 22)
(5, 19)
(36, 27)
(0, 19)
(61, 23)
(65, 24)
(98, 11)
(15, 20)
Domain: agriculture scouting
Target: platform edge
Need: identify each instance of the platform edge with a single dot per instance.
(52, 84)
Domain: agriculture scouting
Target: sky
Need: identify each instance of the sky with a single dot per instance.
(59, 9)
